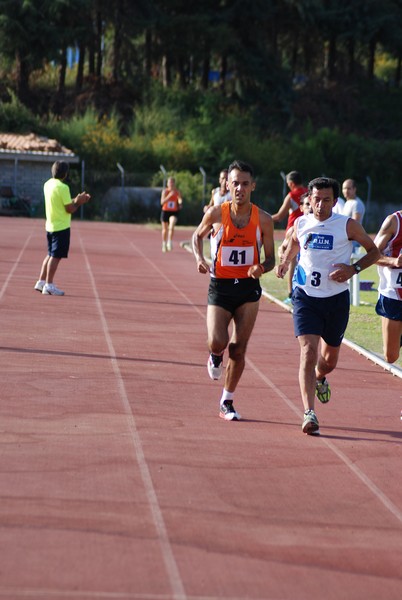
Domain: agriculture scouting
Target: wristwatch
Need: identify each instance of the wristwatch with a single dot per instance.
(357, 268)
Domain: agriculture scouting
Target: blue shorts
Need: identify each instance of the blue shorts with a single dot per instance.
(58, 243)
(326, 317)
(389, 308)
(232, 293)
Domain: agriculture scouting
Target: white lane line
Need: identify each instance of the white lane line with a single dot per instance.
(374, 489)
(166, 278)
(166, 549)
(13, 594)
(15, 266)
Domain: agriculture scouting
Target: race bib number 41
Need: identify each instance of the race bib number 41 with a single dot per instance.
(233, 256)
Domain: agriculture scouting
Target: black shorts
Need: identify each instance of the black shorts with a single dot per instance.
(326, 317)
(166, 214)
(389, 308)
(58, 243)
(232, 293)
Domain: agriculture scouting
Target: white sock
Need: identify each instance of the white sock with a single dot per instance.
(226, 396)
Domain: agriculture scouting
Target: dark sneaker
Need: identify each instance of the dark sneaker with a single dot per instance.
(215, 366)
(310, 423)
(323, 391)
(227, 411)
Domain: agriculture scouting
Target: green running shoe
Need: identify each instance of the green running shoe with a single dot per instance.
(323, 391)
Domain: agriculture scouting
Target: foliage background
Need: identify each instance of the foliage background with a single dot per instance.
(308, 85)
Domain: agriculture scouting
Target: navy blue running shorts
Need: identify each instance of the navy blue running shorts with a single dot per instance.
(326, 317)
(166, 214)
(232, 293)
(58, 243)
(389, 308)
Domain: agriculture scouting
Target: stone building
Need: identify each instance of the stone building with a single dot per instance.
(25, 163)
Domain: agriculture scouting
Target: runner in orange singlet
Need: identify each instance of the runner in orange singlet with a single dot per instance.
(240, 231)
(171, 202)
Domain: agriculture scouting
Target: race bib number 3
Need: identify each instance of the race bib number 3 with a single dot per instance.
(314, 279)
(232, 256)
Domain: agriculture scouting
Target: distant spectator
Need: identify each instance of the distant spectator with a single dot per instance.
(59, 207)
(354, 206)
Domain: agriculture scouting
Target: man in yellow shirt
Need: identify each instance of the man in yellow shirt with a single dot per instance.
(59, 207)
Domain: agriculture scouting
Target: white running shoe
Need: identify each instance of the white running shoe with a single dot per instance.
(169, 246)
(163, 246)
(310, 423)
(215, 366)
(39, 285)
(51, 290)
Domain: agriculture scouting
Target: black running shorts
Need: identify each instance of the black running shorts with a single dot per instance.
(166, 214)
(232, 293)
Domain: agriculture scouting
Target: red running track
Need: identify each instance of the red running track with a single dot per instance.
(119, 481)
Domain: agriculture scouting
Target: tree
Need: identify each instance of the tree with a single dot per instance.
(27, 37)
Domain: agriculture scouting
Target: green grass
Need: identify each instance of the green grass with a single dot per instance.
(364, 326)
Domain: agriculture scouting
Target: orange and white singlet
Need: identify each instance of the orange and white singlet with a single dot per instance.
(234, 250)
(172, 204)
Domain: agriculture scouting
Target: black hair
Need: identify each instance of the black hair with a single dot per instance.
(295, 177)
(241, 166)
(321, 183)
(60, 169)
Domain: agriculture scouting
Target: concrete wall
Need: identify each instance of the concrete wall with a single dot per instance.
(130, 202)
(26, 176)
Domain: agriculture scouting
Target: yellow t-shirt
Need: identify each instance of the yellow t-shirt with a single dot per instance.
(57, 195)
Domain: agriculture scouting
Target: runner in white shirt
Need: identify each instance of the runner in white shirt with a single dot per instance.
(321, 301)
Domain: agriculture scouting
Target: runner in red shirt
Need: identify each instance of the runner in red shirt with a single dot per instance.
(291, 208)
